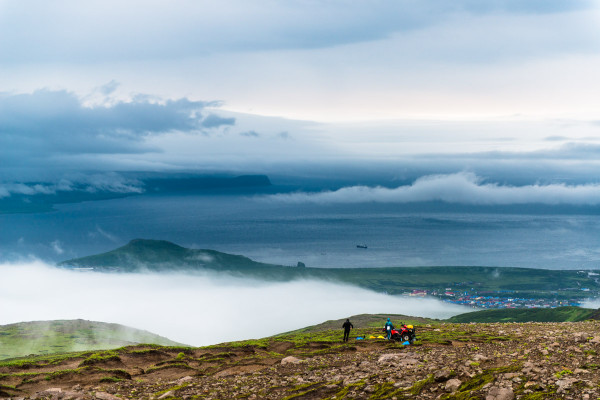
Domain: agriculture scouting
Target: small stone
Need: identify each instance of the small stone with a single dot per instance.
(105, 396)
(564, 384)
(500, 393)
(165, 395)
(290, 360)
(581, 371)
(442, 375)
(452, 385)
(185, 379)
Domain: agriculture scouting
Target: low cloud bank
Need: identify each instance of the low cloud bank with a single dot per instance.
(591, 303)
(91, 183)
(463, 188)
(193, 309)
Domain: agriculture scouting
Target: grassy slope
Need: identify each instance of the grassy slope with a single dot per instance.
(47, 337)
(561, 314)
(56, 337)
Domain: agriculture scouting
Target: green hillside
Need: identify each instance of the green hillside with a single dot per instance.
(560, 314)
(563, 286)
(47, 337)
(160, 255)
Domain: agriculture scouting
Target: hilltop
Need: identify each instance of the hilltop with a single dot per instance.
(478, 286)
(161, 255)
(44, 337)
(448, 361)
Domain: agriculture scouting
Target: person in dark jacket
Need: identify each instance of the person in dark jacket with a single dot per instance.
(347, 326)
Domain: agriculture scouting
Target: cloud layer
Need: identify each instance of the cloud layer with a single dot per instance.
(90, 183)
(49, 129)
(462, 188)
(193, 309)
(142, 30)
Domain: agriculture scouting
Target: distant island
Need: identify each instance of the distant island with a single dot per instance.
(476, 286)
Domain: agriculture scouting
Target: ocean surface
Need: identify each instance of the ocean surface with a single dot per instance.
(318, 235)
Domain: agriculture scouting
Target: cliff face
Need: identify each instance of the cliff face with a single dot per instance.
(449, 361)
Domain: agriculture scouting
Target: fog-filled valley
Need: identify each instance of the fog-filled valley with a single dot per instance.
(195, 309)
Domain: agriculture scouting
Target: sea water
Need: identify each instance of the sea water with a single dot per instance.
(317, 235)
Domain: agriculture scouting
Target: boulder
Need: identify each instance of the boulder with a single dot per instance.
(452, 385)
(443, 374)
(290, 360)
(106, 396)
(500, 393)
(404, 358)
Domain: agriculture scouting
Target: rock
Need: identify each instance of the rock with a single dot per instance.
(500, 393)
(527, 367)
(165, 395)
(388, 357)
(480, 357)
(290, 360)
(185, 379)
(452, 385)
(595, 340)
(565, 384)
(405, 359)
(580, 337)
(443, 375)
(580, 371)
(106, 396)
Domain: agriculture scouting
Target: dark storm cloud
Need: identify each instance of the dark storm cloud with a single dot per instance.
(46, 124)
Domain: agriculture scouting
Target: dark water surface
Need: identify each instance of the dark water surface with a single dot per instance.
(318, 235)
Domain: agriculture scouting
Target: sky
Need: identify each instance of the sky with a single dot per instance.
(413, 88)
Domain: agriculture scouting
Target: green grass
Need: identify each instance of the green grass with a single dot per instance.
(101, 357)
(64, 336)
(560, 314)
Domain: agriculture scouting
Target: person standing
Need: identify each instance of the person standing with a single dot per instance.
(347, 326)
(388, 328)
